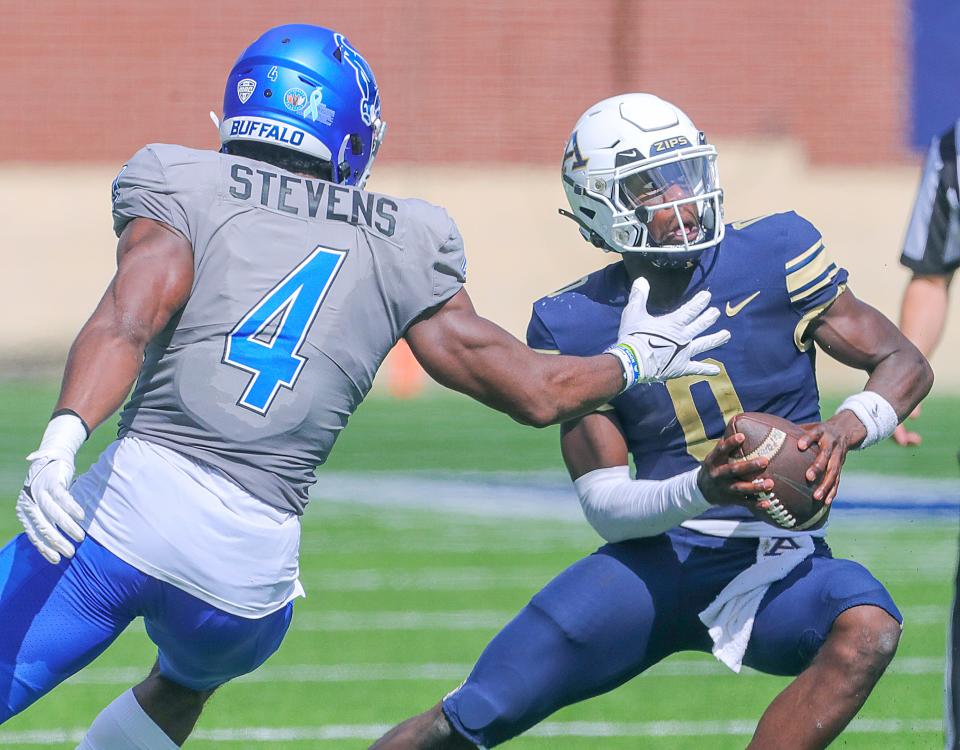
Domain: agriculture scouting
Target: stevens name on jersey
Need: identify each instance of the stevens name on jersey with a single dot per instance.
(301, 196)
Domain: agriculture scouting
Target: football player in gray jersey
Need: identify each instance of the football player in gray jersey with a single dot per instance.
(257, 291)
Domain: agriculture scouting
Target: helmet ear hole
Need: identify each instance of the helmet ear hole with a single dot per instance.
(356, 145)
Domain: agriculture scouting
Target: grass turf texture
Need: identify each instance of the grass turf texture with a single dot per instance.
(362, 565)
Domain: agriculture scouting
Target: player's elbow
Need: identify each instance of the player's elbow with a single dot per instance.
(131, 333)
(596, 509)
(926, 375)
(535, 413)
(536, 404)
(546, 401)
(619, 508)
(922, 375)
(613, 529)
(611, 532)
(116, 332)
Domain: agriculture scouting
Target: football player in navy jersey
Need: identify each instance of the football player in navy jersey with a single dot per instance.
(687, 566)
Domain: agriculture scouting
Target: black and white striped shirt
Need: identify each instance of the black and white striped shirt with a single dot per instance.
(932, 244)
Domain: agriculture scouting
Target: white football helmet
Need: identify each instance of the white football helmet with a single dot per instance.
(632, 156)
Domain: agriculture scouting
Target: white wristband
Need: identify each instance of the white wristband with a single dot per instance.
(876, 413)
(62, 439)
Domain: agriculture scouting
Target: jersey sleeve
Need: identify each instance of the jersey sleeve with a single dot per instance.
(932, 244)
(450, 264)
(539, 337)
(813, 280)
(436, 263)
(142, 190)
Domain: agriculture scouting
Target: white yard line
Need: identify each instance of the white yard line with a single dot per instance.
(925, 614)
(447, 672)
(301, 673)
(737, 727)
(547, 495)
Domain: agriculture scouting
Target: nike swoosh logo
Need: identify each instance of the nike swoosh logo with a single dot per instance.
(747, 222)
(734, 309)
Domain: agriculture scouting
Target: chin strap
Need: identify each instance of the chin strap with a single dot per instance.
(597, 241)
(592, 237)
(673, 263)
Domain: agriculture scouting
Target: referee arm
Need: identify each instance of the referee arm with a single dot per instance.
(932, 251)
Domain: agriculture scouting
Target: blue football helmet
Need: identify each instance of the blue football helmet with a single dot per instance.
(307, 89)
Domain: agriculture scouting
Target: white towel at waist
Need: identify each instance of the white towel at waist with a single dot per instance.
(729, 617)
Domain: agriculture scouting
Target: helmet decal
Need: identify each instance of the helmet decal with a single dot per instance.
(245, 89)
(115, 185)
(628, 156)
(573, 152)
(670, 144)
(295, 99)
(316, 110)
(369, 110)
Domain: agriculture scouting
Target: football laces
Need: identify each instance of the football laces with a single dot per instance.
(776, 510)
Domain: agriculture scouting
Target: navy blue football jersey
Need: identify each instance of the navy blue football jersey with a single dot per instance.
(770, 277)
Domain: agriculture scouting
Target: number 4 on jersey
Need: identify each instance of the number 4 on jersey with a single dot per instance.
(267, 341)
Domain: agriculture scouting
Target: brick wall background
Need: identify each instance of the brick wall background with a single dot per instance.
(500, 80)
(809, 103)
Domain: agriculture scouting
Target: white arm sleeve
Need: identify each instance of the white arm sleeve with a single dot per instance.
(621, 508)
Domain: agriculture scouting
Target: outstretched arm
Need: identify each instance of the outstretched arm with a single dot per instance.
(470, 354)
(152, 282)
(859, 336)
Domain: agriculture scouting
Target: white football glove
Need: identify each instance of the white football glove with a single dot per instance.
(45, 506)
(656, 348)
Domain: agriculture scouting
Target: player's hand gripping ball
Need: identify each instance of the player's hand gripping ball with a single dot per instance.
(790, 504)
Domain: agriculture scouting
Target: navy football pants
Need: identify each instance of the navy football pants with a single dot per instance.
(610, 616)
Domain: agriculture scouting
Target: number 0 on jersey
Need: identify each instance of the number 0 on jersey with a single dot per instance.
(267, 341)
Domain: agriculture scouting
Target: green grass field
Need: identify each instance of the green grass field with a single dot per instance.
(401, 601)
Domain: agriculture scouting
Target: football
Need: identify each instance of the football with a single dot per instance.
(792, 505)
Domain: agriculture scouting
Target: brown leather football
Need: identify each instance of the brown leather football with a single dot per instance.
(791, 501)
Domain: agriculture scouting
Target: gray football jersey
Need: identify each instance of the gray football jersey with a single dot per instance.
(301, 287)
